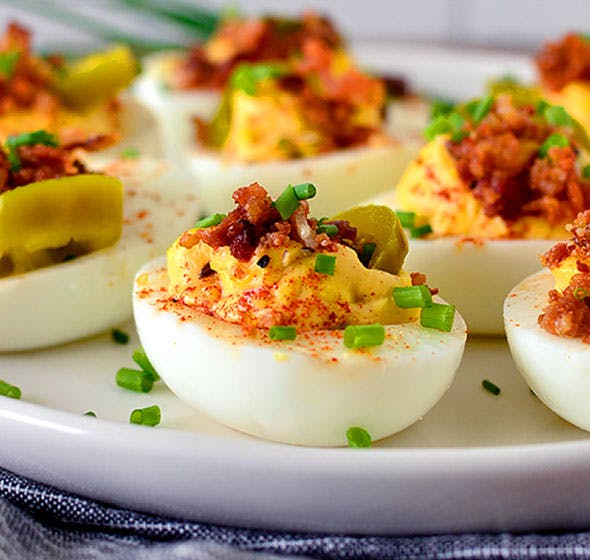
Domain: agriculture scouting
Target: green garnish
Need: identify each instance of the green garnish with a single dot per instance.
(438, 316)
(148, 416)
(362, 336)
(420, 231)
(130, 153)
(580, 293)
(134, 380)
(358, 437)
(304, 191)
(119, 336)
(27, 139)
(440, 125)
(8, 62)
(247, 76)
(441, 107)
(90, 413)
(325, 264)
(282, 333)
(141, 359)
(409, 297)
(555, 140)
(330, 229)
(490, 387)
(480, 108)
(367, 253)
(541, 106)
(209, 221)
(288, 201)
(8, 390)
(586, 172)
(558, 116)
(406, 219)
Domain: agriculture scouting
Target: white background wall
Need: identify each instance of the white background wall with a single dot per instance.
(516, 24)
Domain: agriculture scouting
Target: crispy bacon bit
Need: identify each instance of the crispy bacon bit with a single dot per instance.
(558, 253)
(419, 279)
(564, 61)
(499, 159)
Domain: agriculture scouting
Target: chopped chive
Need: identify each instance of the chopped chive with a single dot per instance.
(209, 221)
(490, 387)
(130, 153)
(558, 140)
(408, 297)
(325, 264)
(580, 293)
(282, 333)
(362, 336)
(557, 116)
(586, 172)
(440, 125)
(287, 203)
(119, 336)
(148, 416)
(406, 219)
(367, 253)
(456, 120)
(8, 62)
(330, 229)
(140, 358)
(541, 106)
(438, 316)
(358, 437)
(90, 413)
(420, 231)
(13, 142)
(247, 76)
(134, 380)
(8, 390)
(263, 261)
(303, 191)
(459, 135)
(441, 107)
(480, 108)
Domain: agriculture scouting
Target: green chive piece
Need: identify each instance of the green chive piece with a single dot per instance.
(27, 139)
(247, 76)
(480, 108)
(358, 437)
(90, 413)
(304, 191)
(490, 387)
(456, 120)
(440, 125)
(130, 153)
(330, 229)
(409, 297)
(8, 62)
(406, 219)
(438, 316)
(580, 293)
(586, 172)
(441, 107)
(325, 264)
(420, 231)
(282, 333)
(134, 380)
(558, 140)
(367, 253)
(148, 416)
(558, 116)
(140, 358)
(209, 221)
(119, 336)
(459, 135)
(362, 336)
(287, 203)
(541, 106)
(8, 390)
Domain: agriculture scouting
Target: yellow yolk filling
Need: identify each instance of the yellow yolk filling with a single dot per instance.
(287, 291)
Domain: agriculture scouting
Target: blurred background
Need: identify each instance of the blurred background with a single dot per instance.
(499, 24)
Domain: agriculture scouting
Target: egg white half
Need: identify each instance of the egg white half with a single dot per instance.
(556, 368)
(92, 293)
(308, 391)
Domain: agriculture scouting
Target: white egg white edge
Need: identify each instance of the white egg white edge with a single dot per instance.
(92, 293)
(280, 391)
(556, 368)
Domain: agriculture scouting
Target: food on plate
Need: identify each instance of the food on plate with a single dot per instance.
(564, 72)
(77, 101)
(71, 238)
(547, 318)
(495, 182)
(296, 329)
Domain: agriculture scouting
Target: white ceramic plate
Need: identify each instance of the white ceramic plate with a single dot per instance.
(475, 463)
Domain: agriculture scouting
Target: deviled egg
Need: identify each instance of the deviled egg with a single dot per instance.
(283, 327)
(496, 183)
(547, 318)
(71, 239)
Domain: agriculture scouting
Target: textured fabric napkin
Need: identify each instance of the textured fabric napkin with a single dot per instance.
(38, 521)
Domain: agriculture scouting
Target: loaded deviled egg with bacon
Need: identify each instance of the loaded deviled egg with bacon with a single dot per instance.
(296, 329)
(496, 182)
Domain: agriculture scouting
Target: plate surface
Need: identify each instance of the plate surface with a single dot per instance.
(476, 462)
